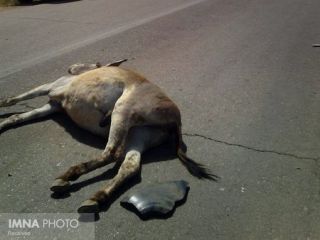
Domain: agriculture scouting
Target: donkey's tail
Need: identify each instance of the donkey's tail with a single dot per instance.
(196, 169)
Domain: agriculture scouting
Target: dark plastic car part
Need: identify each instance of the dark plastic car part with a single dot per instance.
(157, 199)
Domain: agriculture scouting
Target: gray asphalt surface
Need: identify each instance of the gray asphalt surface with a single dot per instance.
(246, 78)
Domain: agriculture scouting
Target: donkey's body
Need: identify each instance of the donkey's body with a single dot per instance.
(142, 116)
(97, 94)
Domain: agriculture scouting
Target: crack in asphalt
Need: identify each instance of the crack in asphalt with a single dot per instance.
(251, 148)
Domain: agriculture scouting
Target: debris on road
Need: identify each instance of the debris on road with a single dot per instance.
(157, 199)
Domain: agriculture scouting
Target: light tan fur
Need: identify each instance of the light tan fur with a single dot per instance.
(142, 116)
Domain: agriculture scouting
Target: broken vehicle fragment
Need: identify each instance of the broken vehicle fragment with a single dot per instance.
(157, 199)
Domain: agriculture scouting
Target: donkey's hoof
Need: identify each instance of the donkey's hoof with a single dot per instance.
(3, 103)
(89, 206)
(7, 102)
(60, 185)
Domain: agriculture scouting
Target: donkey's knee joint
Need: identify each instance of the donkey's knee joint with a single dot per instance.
(73, 173)
(100, 197)
(109, 152)
(76, 171)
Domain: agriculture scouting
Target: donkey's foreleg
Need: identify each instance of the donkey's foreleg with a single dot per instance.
(43, 111)
(129, 168)
(38, 91)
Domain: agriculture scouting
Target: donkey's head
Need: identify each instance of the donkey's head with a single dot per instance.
(79, 68)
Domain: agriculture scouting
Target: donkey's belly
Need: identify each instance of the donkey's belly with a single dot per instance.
(86, 116)
(87, 103)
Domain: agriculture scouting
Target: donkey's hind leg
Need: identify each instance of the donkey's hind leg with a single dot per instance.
(43, 111)
(139, 139)
(129, 168)
(114, 150)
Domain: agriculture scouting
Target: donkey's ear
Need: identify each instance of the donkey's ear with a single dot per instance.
(116, 64)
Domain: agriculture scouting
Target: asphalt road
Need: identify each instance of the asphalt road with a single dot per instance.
(246, 78)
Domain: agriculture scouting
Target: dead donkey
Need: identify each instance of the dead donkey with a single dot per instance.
(142, 116)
